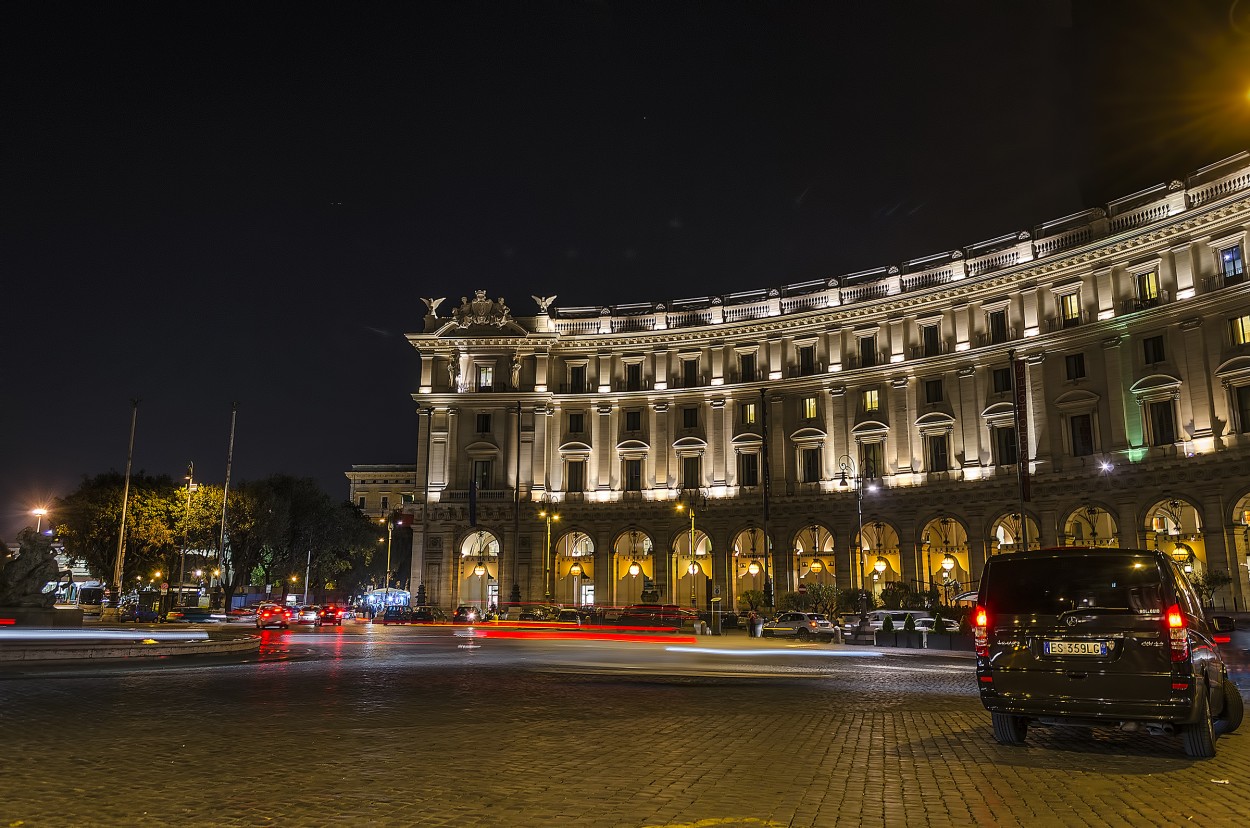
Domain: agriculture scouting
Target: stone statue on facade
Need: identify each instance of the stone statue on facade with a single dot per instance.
(481, 311)
(453, 372)
(516, 373)
(543, 302)
(431, 305)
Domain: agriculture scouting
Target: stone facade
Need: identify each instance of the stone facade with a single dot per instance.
(865, 424)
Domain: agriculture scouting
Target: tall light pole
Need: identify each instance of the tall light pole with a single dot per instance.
(693, 569)
(121, 534)
(391, 522)
(550, 517)
(38, 513)
(186, 529)
(849, 474)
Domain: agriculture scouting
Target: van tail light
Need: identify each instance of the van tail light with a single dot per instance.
(1178, 635)
(981, 631)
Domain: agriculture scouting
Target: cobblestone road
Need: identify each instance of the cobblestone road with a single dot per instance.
(394, 728)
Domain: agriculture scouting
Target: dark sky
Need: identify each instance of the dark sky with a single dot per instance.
(216, 202)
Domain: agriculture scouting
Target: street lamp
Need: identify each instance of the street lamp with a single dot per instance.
(550, 517)
(849, 475)
(391, 523)
(38, 513)
(186, 528)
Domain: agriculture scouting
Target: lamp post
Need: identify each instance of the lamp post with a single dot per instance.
(38, 513)
(694, 567)
(849, 475)
(391, 523)
(948, 564)
(186, 528)
(550, 517)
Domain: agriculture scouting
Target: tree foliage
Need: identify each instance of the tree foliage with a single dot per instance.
(1209, 582)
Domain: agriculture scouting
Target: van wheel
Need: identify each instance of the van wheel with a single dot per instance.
(1234, 709)
(1008, 729)
(803, 635)
(1200, 736)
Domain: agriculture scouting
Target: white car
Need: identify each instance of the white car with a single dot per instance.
(926, 625)
(877, 617)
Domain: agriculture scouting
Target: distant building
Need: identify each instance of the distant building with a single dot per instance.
(774, 411)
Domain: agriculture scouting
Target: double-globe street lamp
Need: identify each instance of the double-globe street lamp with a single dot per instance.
(849, 475)
(693, 569)
(550, 516)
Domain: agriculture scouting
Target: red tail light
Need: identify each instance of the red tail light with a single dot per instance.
(1178, 635)
(981, 631)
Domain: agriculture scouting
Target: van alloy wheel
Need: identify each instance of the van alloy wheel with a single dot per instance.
(1009, 729)
(1200, 736)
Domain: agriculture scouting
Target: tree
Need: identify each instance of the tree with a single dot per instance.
(824, 597)
(1209, 582)
(751, 600)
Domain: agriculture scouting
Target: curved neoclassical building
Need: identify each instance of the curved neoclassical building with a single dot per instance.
(861, 430)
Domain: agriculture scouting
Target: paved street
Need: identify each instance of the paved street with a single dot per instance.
(406, 725)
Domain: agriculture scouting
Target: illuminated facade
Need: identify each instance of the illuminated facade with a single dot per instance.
(883, 400)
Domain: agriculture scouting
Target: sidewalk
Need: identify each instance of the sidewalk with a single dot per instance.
(24, 645)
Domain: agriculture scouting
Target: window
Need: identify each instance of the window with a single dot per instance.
(1152, 346)
(1082, 429)
(1232, 267)
(485, 377)
(929, 340)
(748, 413)
(1002, 380)
(691, 476)
(871, 460)
(998, 326)
(386, 503)
(746, 364)
(483, 423)
(483, 474)
(810, 459)
(869, 400)
(937, 452)
(690, 417)
(577, 422)
(933, 391)
(1243, 408)
(633, 475)
(749, 469)
(689, 373)
(809, 408)
(577, 379)
(633, 376)
(807, 360)
(1074, 366)
(633, 421)
(1004, 445)
(360, 502)
(1162, 423)
(1147, 289)
(577, 476)
(1070, 309)
(1239, 330)
(868, 351)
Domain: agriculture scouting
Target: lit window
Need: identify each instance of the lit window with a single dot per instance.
(809, 408)
(1231, 264)
(1148, 287)
(1239, 329)
(748, 414)
(869, 400)
(1070, 309)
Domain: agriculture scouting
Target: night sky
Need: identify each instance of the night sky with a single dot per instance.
(216, 202)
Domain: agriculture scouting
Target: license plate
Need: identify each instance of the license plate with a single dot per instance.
(1076, 648)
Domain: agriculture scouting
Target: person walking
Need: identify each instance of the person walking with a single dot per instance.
(751, 619)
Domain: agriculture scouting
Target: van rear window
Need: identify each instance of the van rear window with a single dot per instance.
(1050, 586)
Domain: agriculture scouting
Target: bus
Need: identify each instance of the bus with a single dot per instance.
(87, 596)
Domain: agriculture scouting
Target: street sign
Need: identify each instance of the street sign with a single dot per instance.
(802, 588)
(716, 590)
(164, 588)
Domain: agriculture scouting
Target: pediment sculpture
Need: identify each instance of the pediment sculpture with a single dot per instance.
(481, 311)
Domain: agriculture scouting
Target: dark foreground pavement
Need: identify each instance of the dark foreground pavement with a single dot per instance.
(398, 726)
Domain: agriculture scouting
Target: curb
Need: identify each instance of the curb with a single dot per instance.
(138, 649)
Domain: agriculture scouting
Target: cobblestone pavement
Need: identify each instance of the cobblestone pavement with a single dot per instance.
(395, 727)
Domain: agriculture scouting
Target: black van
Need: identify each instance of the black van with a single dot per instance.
(1099, 638)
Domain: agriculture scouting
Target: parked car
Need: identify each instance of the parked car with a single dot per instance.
(329, 614)
(570, 617)
(658, 615)
(926, 625)
(272, 615)
(395, 614)
(428, 615)
(801, 625)
(539, 612)
(133, 611)
(1100, 638)
(242, 615)
(191, 615)
(466, 615)
(876, 618)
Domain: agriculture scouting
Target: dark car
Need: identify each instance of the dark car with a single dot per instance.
(394, 614)
(131, 611)
(272, 615)
(1100, 638)
(428, 615)
(466, 615)
(658, 615)
(330, 614)
(191, 615)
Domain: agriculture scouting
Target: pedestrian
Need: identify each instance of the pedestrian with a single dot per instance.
(751, 618)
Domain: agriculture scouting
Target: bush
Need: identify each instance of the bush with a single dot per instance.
(909, 623)
(887, 625)
(965, 625)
